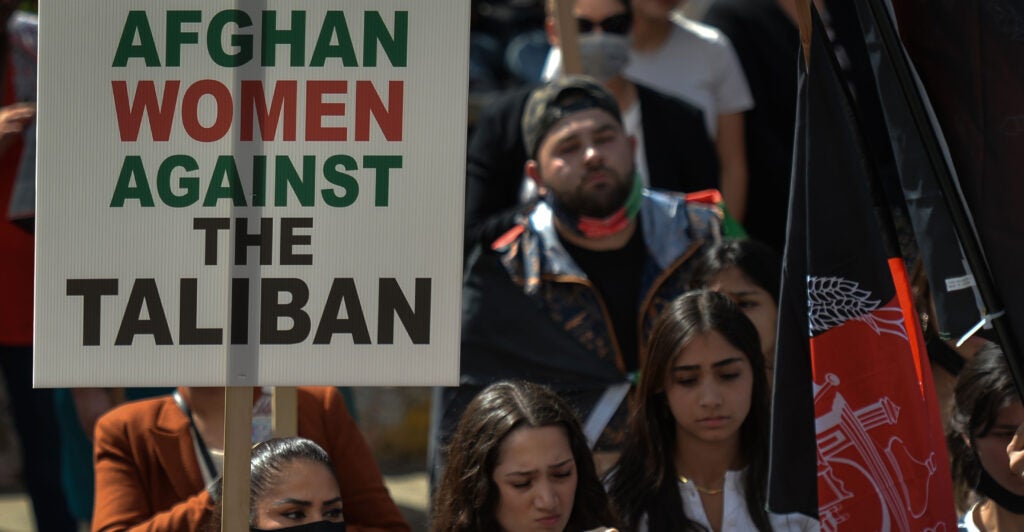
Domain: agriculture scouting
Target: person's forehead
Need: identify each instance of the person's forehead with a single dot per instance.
(705, 350)
(734, 279)
(1011, 414)
(602, 7)
(579, 122)
(305, 480)
(533, 447)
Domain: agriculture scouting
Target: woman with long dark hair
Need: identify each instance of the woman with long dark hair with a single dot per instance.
(519, 461)
(986, 413)
(696, 451)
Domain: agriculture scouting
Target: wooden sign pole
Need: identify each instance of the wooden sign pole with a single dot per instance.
(237, 449)
(568, 37)
(285, 420)
(803, 23)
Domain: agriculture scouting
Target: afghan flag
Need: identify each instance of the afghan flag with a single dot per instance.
(856, 436)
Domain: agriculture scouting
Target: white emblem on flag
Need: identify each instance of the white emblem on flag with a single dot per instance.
(850, 459)
(832, 301)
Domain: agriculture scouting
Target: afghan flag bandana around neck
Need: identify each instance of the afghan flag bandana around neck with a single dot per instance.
(589, 227)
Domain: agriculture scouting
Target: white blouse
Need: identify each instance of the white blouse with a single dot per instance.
(735, 516)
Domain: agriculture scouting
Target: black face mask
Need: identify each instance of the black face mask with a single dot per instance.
(995, 492)
(319, 526)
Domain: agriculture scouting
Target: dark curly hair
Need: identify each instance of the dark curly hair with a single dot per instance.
(467, 497)
(644, 481)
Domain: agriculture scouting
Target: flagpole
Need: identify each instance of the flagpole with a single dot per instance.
(568, 37)
(959, 213)
(804, 24)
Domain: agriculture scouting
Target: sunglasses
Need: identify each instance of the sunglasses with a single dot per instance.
(619, 24)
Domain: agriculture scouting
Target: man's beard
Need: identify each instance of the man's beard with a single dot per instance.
(597, 204)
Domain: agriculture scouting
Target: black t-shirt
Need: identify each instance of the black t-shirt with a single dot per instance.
(616, 274)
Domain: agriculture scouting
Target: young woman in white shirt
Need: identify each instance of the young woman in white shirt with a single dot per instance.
(696, 450)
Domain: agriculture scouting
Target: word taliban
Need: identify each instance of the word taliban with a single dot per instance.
(144, 313)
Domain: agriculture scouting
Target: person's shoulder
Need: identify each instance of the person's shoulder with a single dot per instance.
(23, 20)
(320, 395)
(737, 9)
(667, 203)
(966, 521)
(505, 241)
(141, 406)
(23, 31)
(730, 6)
(676, 203)
(650, 97)
(698, 31)
(532, 223)
(316, 391)
(140, 414)
(323, 414)
(510, 101)
(691, 212)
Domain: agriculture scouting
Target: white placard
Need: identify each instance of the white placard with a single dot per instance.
(171, 133)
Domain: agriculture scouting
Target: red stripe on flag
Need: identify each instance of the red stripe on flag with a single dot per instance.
(914, 335)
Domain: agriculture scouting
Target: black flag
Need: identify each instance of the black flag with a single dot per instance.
(921, 156)
(856, 436)
(970, 59)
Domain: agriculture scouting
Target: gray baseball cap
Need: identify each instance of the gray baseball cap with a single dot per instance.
(562, 97)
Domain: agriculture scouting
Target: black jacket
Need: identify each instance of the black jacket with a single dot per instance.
(530, 313)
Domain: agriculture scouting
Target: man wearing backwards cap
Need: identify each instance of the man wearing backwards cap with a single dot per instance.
(674, 151)
(566, 297)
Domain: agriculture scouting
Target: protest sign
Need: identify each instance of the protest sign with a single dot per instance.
(258, 194)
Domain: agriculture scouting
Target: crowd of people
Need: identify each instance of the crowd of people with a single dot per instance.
(623, 237)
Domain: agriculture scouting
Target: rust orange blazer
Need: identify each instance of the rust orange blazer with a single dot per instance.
(148, 476)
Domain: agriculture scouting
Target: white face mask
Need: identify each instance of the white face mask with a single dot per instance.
(604, 55)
